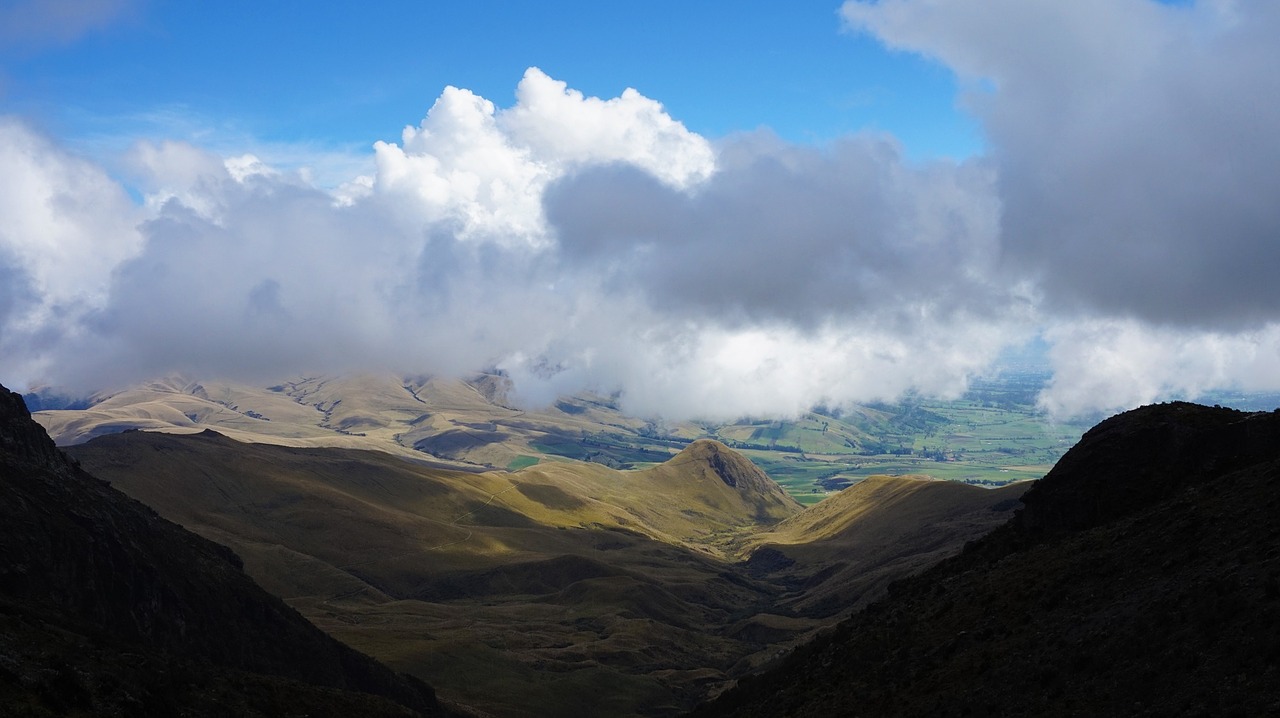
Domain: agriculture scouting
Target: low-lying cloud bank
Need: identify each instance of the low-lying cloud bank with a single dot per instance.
(1121, 214)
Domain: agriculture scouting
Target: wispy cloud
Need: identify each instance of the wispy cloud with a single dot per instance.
(111, 138)
(34, 24)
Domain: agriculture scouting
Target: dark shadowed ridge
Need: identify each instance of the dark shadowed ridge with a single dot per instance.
(1142, 578)
(106, 609)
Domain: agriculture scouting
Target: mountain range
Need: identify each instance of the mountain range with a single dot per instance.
(458, 423)
(1138, 577)
(994, 436)
(569, 586)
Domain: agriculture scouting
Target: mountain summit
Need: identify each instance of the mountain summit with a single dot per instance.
(725, 477)
(734, 469)
(1142, 457)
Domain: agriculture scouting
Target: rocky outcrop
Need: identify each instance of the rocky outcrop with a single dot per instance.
(21, 439)
(108, 606)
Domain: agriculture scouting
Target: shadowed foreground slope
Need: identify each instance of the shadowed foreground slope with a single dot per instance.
(106, 608)
(839, 555)
(1142, 578)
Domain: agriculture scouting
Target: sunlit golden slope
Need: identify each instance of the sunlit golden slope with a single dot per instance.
(242, 412)
(704, 491)
(874, 532)
(453, 421)
(586, 576)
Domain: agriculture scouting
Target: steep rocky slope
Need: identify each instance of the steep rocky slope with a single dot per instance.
(106, 608)
(1142, 578)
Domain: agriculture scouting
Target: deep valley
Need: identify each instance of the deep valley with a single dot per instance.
(459, 541)
(572, 587)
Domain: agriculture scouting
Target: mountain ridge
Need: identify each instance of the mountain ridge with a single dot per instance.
(1162, 602)
(89, 577)
(872, 533)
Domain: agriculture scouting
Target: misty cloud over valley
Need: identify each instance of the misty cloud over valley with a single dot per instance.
(1123, 213)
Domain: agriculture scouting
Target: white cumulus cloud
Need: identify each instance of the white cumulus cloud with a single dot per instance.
(1104, 365)
(485, 169)
(1122, 214)
(576, 242)
(66, 225)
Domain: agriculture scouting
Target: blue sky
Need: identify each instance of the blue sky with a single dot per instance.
(334, 75)
(799, 203)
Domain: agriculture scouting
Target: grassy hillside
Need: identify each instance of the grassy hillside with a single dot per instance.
(872, 533)
(568, 586)
(549, 583)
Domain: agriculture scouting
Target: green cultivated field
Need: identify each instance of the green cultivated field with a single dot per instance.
(522, 462)
(992, 436)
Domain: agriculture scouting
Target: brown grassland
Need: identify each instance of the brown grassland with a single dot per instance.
(562, 588)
